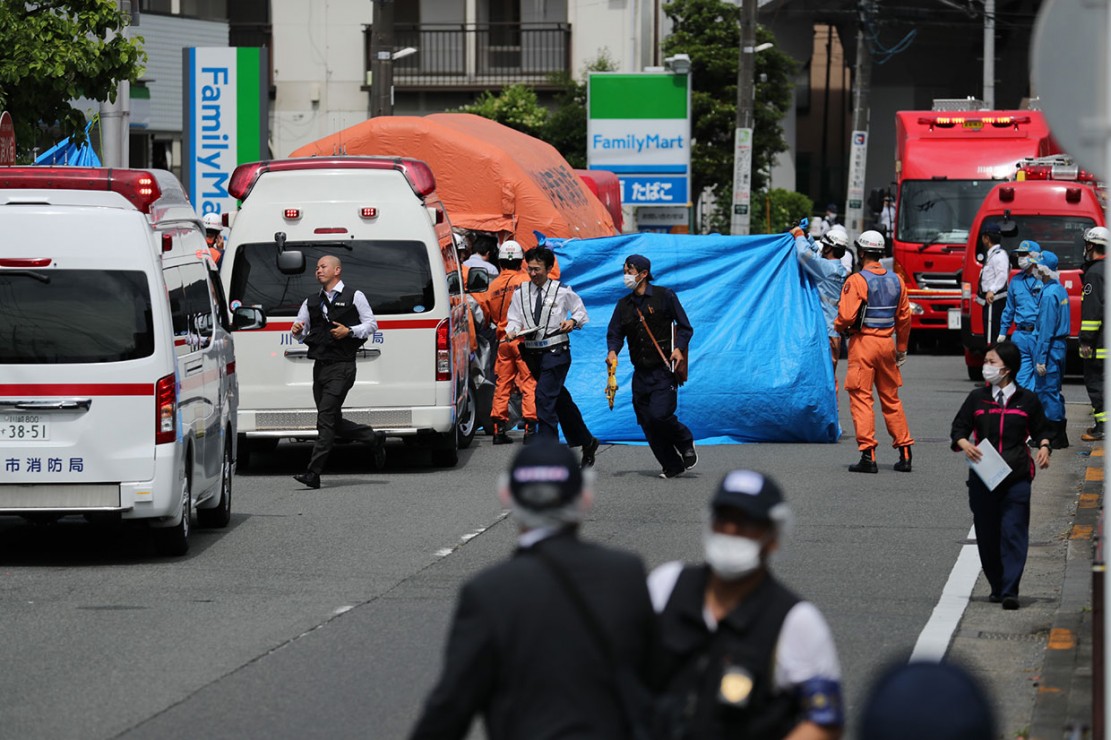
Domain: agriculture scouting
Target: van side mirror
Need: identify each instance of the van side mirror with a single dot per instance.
(1007, 227)
(478, 281)
(245, 318)
(291, 262)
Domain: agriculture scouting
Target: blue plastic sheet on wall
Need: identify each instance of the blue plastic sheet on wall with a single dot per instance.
(760, 369)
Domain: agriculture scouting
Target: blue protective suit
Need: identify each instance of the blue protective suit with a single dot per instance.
(1051, 336)
(828, 277)
(1023, 295)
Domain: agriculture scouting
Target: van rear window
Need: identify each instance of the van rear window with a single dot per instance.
(74, 316)
(395, 276)
(1062, 235)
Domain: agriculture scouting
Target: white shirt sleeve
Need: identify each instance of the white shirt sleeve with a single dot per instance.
(994, 277)
(805, 649)
(661, 582)
(367, 323)
(514, 319)
(575, 307)
(303, 317)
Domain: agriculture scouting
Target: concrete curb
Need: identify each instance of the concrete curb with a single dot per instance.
(1063, 704)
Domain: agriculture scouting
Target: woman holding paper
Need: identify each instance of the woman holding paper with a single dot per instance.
(991, 429)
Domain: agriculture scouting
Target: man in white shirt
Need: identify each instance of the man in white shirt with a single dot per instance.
(484, 253)
(543, 311)
(993, 279)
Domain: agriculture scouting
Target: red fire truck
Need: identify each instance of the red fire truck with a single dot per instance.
(1051, 202)
(946, 163)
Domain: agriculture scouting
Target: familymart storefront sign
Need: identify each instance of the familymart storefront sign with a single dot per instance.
(639, 128)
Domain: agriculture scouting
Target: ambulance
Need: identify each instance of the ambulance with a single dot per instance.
(118, 390)
(382, 218)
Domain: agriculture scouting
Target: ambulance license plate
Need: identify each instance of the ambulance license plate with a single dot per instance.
(954, 318)
(23, 428)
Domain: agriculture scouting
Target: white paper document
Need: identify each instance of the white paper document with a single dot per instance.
(527, 332)
(992, 468)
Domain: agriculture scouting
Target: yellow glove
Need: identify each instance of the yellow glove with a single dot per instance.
(611, 383)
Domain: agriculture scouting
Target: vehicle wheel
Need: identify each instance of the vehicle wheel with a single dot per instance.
(467, 424)
(174, 541)
(446, 453)
(218, 517)
(975, 372)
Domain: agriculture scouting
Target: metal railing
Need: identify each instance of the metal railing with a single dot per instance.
(479, 56)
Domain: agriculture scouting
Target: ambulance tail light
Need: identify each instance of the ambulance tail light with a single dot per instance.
(966, 298)
(443, 350)
(138, 186)
(165, 410)
(418, 173)
(291, 214)
(368, 212)
(26, 262)
(167, 242)
(1072, 195)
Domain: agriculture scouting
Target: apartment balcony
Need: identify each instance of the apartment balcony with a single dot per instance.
(479, 56)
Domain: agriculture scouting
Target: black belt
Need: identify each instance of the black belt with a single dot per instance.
(1025, 327)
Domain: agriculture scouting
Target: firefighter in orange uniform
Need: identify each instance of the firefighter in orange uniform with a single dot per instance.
(874, 307)
(509, 369)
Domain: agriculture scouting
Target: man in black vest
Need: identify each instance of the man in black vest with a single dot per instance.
(742, 655)
(654, 322)
(537, 642)
(334, 323)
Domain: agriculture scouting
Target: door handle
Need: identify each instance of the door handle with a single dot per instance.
(69, 404)
(190, 369)
(364, 353)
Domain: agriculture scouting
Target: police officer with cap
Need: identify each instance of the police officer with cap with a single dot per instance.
(993, 279)
(537, 641)
(927, 701)
(742, 656)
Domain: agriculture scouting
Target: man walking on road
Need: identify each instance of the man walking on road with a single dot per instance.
(1093, 347)
(654, 322)
(537, 643)
(742, 656)
(874, 307)
(334, 323)
(543, 312)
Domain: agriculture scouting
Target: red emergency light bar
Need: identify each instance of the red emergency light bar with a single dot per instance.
(138, 186)
(973, 121)
(418, 173)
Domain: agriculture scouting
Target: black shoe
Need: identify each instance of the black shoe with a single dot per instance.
(589, 449)
(1060, 438)
(671, 473)
(867, 462)
(1093, 433)
(690, 457)
(500, 436)
(1010, 603)
(995, 598)
(903, 466)
(308, 479)
(530, 432)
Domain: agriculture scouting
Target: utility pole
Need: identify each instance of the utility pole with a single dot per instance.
(381, 59)
(858, 146)
(746, 115)
(115, 116)
(989, 54)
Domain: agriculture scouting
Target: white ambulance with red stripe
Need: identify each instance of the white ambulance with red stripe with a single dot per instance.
(382, 218)
(118, 390)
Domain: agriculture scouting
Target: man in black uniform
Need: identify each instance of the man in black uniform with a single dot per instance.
(741, 655)
(654, 322)
(1093, 349)
(537, 642)
(334, 323)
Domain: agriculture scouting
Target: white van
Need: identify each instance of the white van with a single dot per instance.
(117, 371)
(382, 218)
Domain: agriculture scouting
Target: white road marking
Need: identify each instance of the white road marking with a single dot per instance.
(933, 641)
(444, 552)
(342, 609)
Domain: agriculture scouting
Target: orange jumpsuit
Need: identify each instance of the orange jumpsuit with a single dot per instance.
(509, 368)
(872, 361)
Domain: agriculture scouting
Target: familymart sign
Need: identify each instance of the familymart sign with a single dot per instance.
(639, 127)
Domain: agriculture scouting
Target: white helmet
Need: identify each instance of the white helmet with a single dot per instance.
(871, 241)
(212, 222)
(510, 250)
(1098, 235)
(836, 236)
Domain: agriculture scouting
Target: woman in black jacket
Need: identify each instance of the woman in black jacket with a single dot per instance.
(1006, 415)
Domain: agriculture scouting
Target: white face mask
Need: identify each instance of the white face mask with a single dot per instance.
(731, 557)
(993, 374)
(631, 281)
(1023, 262)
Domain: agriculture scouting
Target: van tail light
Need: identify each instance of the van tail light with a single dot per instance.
(966, 298)
(292, 214)
(368, 212)
(443, 350)
(165, 410)
(167, 242)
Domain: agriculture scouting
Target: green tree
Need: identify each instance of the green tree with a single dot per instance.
(709, 32)
(55, 51)
(516, 106)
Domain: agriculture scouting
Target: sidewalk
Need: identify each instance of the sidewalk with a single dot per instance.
(1037, 661)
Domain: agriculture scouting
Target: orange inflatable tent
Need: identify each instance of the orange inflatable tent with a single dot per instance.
(490, 177)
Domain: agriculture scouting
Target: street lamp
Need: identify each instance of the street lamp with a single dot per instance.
(408, 51)
(680, 64)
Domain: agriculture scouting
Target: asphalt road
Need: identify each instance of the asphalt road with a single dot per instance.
(323, 613)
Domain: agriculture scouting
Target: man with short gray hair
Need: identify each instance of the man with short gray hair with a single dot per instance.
(545, 644)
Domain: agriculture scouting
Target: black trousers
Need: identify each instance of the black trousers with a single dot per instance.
(1002, 519)
(993, 317)
(331, 380)
(654, 401)
(1093, 381)
(554, 405)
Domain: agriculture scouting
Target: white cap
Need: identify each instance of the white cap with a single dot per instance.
(510, 250)
(871, 241)
(212, 222)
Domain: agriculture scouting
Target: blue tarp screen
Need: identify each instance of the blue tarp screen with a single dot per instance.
(760, 369)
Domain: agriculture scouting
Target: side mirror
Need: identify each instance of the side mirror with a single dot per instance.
(245, 318)
(478, 281)
(1007, 227)
(291, 262)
